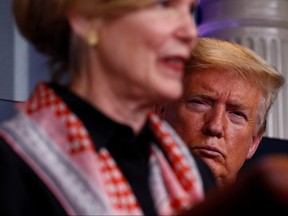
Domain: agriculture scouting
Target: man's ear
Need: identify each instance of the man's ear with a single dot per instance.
(159, 110)
(254, 145)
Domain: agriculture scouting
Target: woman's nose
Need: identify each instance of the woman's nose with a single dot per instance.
(187, 31)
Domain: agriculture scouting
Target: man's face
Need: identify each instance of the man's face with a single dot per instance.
(216, 118)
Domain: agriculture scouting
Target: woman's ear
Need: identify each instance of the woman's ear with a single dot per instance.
(82, 25)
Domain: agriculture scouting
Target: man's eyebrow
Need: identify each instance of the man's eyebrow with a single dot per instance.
(237, 105)
(201, 95)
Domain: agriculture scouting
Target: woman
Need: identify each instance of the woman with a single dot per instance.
(85, 143)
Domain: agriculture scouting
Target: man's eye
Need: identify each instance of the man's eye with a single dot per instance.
(239, 114)
(164, 3)
(196, 102)
(198, 105)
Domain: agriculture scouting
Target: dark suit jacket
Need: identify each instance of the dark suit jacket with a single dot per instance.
(268, 146)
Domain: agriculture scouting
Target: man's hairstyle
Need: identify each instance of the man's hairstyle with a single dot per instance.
(237, 60)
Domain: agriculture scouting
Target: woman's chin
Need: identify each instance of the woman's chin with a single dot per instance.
(174, 93)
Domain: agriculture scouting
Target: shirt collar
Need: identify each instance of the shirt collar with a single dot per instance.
(100, 127)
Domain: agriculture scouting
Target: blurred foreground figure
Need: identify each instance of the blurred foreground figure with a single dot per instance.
(85, 143)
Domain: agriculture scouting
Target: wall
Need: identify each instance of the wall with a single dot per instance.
(20, 66)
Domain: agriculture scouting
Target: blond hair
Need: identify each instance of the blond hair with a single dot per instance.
(44, 24)
(211, 53)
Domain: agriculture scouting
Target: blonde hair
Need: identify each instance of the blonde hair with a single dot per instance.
(44, 24)
(238, 60)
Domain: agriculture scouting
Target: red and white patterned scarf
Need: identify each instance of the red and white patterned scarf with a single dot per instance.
(55, 144)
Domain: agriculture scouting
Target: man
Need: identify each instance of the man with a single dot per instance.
(228, 91)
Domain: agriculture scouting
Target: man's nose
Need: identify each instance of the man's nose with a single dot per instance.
(215, 123)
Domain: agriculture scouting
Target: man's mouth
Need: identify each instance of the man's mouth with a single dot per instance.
(206, 152)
